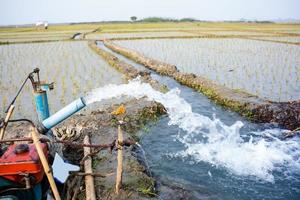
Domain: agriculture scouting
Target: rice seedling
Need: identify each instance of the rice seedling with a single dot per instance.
(69, 64)
(235, 63)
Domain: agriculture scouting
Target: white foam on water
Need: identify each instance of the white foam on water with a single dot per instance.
(210, 140)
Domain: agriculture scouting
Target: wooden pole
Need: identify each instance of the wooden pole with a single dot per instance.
(89, 179)
(120, 160)
(36, 141)
(8, 115)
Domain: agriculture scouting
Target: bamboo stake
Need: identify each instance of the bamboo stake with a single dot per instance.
(36, 141)
(8, 115)
(89, 179)
(291, 133)
(120, 160)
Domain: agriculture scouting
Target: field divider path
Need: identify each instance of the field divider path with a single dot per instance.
(271, 40)
(36, 41)
(126, 69)
(286, 114)
(171, 37)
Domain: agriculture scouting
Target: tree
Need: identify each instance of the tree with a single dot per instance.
(133, 18)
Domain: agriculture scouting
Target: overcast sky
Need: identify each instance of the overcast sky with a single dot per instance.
(55, 11)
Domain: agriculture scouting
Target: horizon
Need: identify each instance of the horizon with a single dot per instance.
(287, 21)
(18, 12)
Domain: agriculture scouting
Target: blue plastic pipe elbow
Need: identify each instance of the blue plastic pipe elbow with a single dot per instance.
(62, 114)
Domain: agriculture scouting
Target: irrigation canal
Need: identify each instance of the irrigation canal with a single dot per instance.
(216, 154)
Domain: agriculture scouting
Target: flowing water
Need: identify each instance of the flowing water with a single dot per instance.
(144, 158)
(254, 155)
(212, 152)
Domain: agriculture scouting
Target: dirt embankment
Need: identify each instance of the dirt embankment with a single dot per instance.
(127, 70)
(286, 114)
(101, 126)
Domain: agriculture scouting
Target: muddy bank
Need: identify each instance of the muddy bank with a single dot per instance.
(101, 126)
(286, 114)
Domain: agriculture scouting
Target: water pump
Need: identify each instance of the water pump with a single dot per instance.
(21, 171)
(46, 122)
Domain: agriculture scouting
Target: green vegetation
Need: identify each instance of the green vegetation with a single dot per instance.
(162, 19)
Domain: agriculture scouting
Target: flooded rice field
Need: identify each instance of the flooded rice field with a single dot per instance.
(72, 66)
(269, 70)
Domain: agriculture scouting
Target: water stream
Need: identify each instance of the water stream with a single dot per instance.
(144, 158)
(212, 152)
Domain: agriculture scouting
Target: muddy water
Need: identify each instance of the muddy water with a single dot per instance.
(216, 154)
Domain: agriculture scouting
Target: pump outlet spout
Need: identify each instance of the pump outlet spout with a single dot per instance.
(62, 115)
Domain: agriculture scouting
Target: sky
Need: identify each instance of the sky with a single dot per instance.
(13, 12)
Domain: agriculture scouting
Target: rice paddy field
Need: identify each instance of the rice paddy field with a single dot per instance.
(34, 35)
(249, 57)
(268, 70)
(97, 36)
(199, 144)
(72, 66)
(235, 33)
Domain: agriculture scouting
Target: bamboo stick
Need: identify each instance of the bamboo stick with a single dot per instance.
(36, 141)
(89, 179)
(120, 160)
(8, 115)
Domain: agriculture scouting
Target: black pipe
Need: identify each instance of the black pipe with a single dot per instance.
(30, 76)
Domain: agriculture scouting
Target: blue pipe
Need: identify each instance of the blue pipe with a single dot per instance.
(41, 103)
(63, 114)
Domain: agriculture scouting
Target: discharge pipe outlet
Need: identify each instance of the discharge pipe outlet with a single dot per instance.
(61, 115)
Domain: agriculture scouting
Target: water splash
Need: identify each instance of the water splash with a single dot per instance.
(210, 140)
(144, 158)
